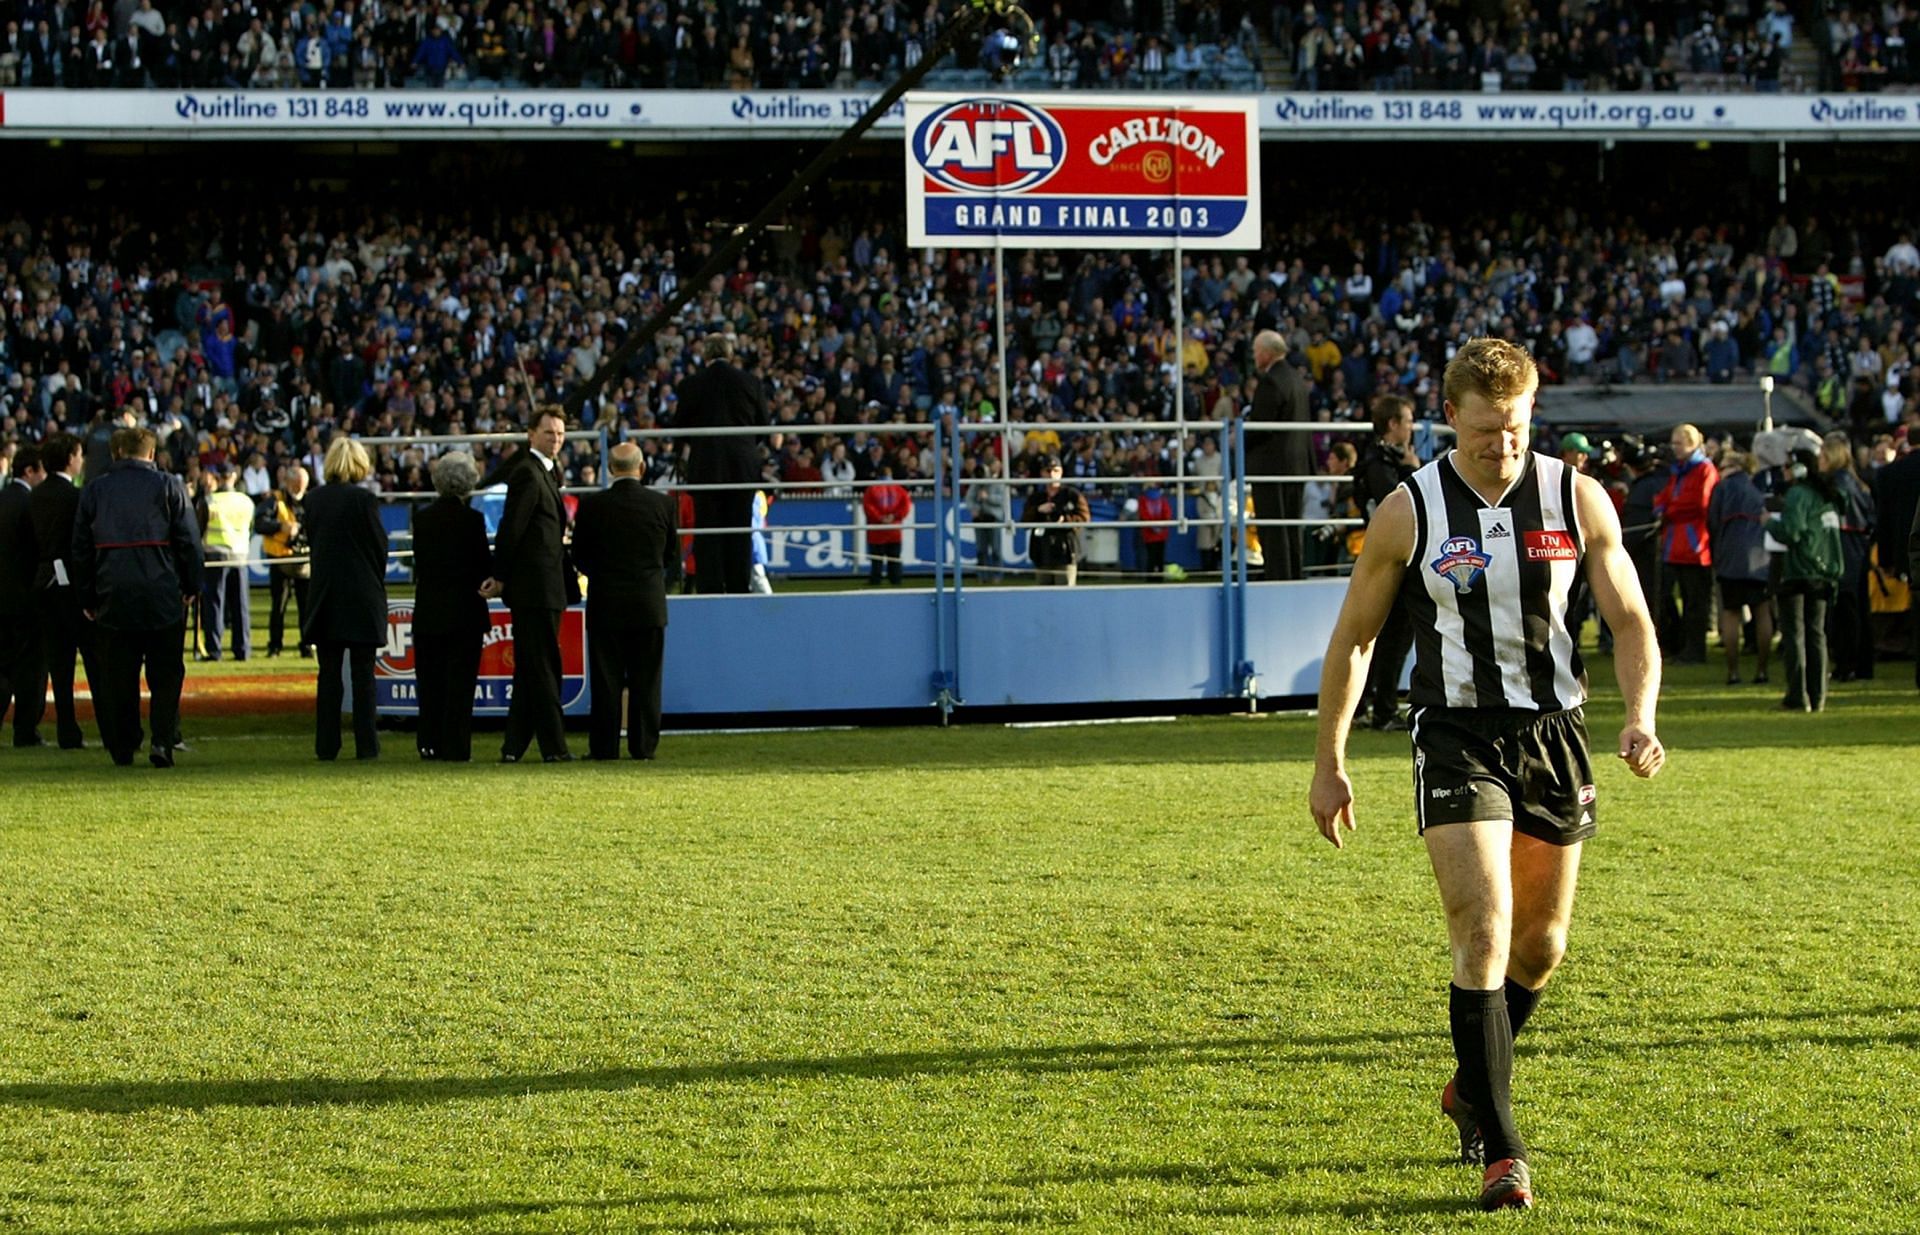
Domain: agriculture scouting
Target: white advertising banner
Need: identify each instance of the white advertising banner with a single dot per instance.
(601, 114)
(722, 115)
(1729, 117)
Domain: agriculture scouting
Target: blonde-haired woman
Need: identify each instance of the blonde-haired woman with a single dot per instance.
(346, 619)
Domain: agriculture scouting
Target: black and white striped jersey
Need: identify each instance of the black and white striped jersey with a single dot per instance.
(1487, 590)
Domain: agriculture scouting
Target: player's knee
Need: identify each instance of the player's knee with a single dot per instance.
(1540, 951)
(1480, 955)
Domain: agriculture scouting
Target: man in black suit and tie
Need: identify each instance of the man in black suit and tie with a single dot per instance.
(1281, 396)
(722, 395)
(530, 571)
(23, 677)
(65, 631)
(626, 540)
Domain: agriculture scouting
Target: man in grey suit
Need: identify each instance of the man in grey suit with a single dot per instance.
(1280, 397)
(626, 540)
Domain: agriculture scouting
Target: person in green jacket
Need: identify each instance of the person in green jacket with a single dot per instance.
(1807, 522)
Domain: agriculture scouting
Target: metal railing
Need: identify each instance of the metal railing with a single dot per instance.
(948, 485)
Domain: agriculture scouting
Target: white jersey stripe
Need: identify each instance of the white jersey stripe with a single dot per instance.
(1499, 537)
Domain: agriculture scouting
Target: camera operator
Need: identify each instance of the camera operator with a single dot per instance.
(280, 519)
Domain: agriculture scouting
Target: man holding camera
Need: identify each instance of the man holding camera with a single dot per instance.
(280, 519)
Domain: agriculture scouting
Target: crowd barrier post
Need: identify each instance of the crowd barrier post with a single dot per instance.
(962, 513)
(1230, 549)
(1242, 676)
(942, 692)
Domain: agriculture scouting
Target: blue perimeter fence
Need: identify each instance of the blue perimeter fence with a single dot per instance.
(953, 646)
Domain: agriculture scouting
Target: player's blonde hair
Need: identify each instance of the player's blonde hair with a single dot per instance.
(1494, 369)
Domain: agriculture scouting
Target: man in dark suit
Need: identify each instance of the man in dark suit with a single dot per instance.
(530, 571)
(136, 561)
(626, 540)
(722, 395)
(1896, 499)
(1280, 397)
(65, 631)
(23, 676)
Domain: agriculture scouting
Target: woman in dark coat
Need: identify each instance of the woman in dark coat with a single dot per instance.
(451, 562)
(346, 617)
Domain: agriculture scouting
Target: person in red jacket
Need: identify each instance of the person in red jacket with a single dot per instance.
(887, 506)
(1154, 508)
(1685, 548)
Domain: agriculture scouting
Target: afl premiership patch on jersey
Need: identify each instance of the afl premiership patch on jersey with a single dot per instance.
(1487, 589)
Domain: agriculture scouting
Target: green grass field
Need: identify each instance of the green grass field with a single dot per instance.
(981, 979)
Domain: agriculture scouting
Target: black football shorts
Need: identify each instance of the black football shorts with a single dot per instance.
(1474, 764)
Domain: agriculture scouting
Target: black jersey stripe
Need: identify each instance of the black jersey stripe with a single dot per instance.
(1463, 519)
(1428, 681)
(1536, 588)
(1420, 528)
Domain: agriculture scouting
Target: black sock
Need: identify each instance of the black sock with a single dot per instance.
(1483, 1046)
(1520, 1003)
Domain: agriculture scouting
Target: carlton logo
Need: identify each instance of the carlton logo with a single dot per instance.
(989, 145)
(1155, 131)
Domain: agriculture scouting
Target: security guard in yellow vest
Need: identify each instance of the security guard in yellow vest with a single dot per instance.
(223, 593)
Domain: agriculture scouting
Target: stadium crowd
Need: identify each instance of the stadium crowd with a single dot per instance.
(849, 44)
(630, 44)
(1539, 47)
(251, 336)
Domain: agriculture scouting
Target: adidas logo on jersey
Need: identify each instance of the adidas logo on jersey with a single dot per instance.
(1499, 531)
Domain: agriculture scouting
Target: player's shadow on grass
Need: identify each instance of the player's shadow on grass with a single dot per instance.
(110, 1097)
(1358, 1049)
(1019, 1208)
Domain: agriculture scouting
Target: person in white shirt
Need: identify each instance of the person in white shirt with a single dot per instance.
(1902, 258)
(254, 478)
(837, 471)
(1582, 342)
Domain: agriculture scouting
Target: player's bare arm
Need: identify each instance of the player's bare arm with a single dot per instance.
(1636, 650)
(1376, 580)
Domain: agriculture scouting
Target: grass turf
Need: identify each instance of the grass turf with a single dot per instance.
(1101, 979)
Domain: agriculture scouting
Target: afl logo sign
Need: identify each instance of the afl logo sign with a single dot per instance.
(989, 145)
(395, 659)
